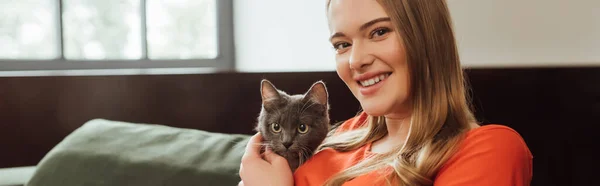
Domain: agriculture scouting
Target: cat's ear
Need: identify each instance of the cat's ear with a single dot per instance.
(318, 93)
(268, 91)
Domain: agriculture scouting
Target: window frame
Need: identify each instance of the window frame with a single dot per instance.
(224, 60)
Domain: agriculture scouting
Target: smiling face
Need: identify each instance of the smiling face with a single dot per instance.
(370, 57)
(410, 44)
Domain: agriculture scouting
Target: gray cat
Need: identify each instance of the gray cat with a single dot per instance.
(293, 126)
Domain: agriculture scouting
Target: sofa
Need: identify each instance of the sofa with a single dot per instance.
(555, 109)
(110, 153)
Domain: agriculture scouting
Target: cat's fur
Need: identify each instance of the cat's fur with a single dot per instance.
(310, 109)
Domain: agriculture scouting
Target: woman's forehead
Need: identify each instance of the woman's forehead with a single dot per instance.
(349, 15)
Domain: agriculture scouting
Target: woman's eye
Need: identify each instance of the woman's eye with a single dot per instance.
(341, 45)
(302, 128)
(275, 128)
(379, 32)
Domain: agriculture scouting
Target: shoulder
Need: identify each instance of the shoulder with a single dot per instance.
(494, 138)
(486, 155)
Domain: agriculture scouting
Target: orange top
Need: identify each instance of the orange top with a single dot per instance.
(491, 155)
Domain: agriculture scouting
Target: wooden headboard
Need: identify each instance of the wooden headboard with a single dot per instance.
(556, 110)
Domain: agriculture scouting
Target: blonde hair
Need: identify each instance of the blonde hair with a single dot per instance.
(441, 112)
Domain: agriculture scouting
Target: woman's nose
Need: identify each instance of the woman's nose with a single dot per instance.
(360, 57)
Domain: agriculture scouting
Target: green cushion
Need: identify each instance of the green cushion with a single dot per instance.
(113, 153)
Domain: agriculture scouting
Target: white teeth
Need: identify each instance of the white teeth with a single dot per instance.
(373, 80)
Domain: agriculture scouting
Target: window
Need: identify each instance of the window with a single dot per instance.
(97, 30)
(195, 18)
(115, 34)
(31, 34)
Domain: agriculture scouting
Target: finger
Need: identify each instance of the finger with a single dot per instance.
(275, 159)
(253, 147)
(269, 155)
(272, 157)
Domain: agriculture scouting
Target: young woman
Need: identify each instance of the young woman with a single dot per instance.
(399, 59)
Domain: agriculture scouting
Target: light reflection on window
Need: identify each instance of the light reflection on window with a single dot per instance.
(28, 29)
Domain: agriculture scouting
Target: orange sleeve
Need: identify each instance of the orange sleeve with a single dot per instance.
(496, 156)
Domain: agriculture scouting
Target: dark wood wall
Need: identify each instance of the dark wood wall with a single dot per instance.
(556, 110)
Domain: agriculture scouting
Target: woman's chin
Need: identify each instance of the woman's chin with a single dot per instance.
(373, 110)
(382, 107)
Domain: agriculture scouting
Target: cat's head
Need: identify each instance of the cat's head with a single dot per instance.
(293, 124)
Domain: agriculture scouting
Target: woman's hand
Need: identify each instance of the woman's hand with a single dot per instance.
(273, 170)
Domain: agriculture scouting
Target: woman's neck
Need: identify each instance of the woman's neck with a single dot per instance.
(397, 128)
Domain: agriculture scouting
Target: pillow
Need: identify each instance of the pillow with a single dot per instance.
(113, 153)
(16, 175)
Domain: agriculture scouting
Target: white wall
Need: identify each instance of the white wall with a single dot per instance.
(285, 35)
(495, 33)
(282, 35)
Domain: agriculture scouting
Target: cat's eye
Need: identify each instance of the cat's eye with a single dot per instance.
(275, 128)
(302, 128)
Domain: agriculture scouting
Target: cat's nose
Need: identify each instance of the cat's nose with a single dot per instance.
(287, 144)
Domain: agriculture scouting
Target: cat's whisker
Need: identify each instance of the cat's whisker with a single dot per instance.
(300, 158)
(307, 150)
(299, 111)
(298, 108)
(266, 145)
(304, 154)
(304, 108)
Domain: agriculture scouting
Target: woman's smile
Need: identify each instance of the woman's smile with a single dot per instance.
(371, 85)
